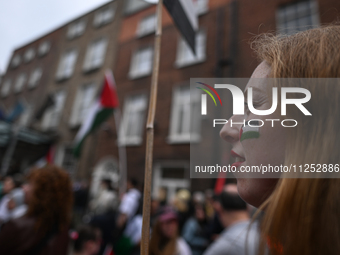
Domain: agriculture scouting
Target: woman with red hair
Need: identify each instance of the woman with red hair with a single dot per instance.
(43, 230)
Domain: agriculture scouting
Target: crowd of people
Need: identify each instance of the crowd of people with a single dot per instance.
(44, 213)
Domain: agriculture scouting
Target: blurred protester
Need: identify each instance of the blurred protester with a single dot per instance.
(241, 237)
(155, 206)
(128, 230)
(194, 230)
(198, 197)
(164, 237)
(43, 230)
(182, 204)
(129, 204)
(16, 205)
(81, 195)
(209, 203)
(162, 196)
(10, 183)
(215, 227)
(104, 205)
(106, 199)
(129, 243)
(86, 240)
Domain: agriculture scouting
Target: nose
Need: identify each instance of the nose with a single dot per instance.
(229, 133)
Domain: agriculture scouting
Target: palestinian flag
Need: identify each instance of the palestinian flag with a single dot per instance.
(100, 111)
(248, 132)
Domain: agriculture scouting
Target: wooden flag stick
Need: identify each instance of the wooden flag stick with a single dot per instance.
(150, 135)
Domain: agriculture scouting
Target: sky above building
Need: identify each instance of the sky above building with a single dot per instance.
(22, 21)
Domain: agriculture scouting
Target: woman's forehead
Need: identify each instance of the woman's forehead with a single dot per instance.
(262, 70)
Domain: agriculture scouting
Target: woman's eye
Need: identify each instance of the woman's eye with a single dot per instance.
(255, 105)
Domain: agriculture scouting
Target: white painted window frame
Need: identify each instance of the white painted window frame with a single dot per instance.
(136, 58)
(184, 50)
(63, 72)
(52, 115)
(104, 16)
(34, 78)
(170, 183)
(44, 48)
(20, 82)
(76, 29)
(29, 55)
(178, 101)
(143, 28)
(92, 61)
(6, 87)
(125, 139)
(16, 61)
(76, 119)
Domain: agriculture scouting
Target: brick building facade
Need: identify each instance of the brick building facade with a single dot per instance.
(65, 66)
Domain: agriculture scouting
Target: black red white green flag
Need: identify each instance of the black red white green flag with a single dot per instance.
(100, 111)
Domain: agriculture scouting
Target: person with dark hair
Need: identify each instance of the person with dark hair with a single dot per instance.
(104, 206)
(129, 220)
(129, 204)
(241, 237)
(133, 182)
(86, 240)
(106, 199)
(194, 230)
(129, 242)
(215, 227)
(43, 230)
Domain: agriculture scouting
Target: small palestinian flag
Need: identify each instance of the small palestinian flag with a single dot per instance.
(248, 132)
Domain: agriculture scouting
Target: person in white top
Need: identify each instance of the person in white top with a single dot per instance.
(164, 237)
(16, 205)
(106, 200)
(129, 204)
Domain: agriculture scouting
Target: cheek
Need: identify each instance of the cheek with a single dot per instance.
(255, 191)
(268, 147)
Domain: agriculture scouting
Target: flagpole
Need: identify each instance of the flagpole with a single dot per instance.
(150, 135)
(121, 155)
